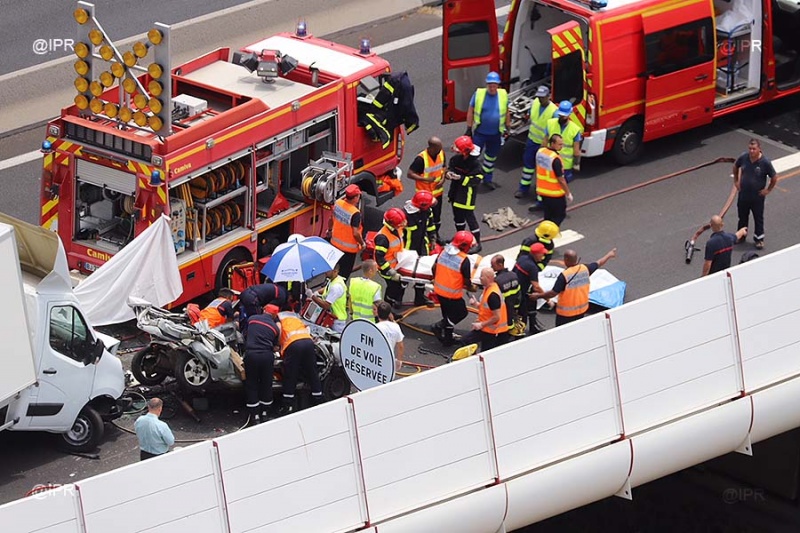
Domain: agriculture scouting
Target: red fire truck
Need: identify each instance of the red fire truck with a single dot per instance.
(635, 70)
(241, 149)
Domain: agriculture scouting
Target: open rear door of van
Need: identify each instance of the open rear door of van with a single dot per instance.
(568, 76)
(469, 52)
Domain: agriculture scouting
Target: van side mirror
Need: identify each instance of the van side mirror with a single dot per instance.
(95, 353)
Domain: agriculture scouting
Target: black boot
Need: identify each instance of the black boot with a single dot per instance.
(255, 418)
(317, 399)
(420, 298)
(476, 249)
(287, 407)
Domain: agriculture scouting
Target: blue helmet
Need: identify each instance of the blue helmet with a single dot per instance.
(493, 77)
(564, 109)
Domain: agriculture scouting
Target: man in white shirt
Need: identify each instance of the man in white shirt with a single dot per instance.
(391, 330)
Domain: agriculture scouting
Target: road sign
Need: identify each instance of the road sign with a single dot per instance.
(366, 355)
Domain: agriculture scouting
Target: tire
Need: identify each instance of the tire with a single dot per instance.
(86, 432)
(145, 366)
(191, 373)
(629, 142)
(335, 385)
(234, 257)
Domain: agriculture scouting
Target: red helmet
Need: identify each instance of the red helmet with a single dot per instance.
(423, 200)
(395, 217)
(463, 240)
(464, 145)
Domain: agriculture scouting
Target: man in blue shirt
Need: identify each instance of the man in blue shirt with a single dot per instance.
(155, 437)
(719, 247)
(750, 173)
(488, 119)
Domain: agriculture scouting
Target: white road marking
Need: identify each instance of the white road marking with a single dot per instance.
(19, 160)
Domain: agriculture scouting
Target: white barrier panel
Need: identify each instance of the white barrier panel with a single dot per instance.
(478, 512)
(690, 441)
(775, 410)
(424, 439)
(675, 352)
(53, 511)
(766, 295)
(175, 492)
(567, 485)
(552, 395)
(299, 473)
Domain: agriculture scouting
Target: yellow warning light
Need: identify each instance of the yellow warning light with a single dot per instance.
(81, 16)
(129, 59)
(111, 109)
(96, 105)
(81, 84)
(95, 88)
(81, 50)
(129, 85)
(155, 105)
(140, 101)
(106, 52)
(96, 36)
(81, 101)
(155, 70)
(117, 69)
(81, 67)
(107, 79)
(140, 119)
(140, 49)
(155, 88)
(125, 114)
(155, 123)
(155, 36)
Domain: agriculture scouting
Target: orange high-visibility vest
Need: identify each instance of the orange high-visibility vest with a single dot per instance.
(546, 180)
(485, 314)
(212, 315)
(448, 281)
(574, 300)
(342, 232)
(395, 246)
(433, 169)
(292, 329)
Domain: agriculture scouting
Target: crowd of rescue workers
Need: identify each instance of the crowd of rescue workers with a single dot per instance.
(507, 306)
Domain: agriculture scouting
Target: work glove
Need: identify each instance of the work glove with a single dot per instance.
(468, 133)
(393, 275)
(309, 293)
(569, 198)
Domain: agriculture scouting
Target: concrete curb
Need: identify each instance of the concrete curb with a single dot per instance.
(36, 94)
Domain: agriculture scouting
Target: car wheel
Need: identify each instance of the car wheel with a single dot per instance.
(629, 142)
(146, 366)
(192, 373)
(85, 433)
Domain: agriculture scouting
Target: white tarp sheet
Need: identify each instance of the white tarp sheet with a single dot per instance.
(147, 268)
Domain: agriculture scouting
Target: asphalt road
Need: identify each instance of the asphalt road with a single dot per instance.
(43, 30)
(648, 225)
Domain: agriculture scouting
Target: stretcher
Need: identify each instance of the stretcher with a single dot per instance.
(605, 290)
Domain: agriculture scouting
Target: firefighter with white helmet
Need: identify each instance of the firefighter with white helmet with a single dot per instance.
(465, 174)
(452, 274)
(388, 243)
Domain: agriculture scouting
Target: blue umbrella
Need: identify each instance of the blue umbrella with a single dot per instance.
(301, 259)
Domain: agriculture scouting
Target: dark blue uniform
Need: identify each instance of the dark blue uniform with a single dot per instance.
(255, 297)
(527, 272)
(259, 363)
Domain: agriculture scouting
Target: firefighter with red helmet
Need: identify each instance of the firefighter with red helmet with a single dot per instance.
(452, 274)
(420, 233)
(464, 171)
(388, 243)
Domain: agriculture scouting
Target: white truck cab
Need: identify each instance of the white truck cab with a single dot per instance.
(64, 377)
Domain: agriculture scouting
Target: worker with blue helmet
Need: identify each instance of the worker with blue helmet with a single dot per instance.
(565, 124)
(488, 119)
(542, 110)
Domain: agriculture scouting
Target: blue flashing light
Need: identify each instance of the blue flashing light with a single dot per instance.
(598, 4)
(47, 146)
(364, 47)
(155, 178)
(302, 29)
